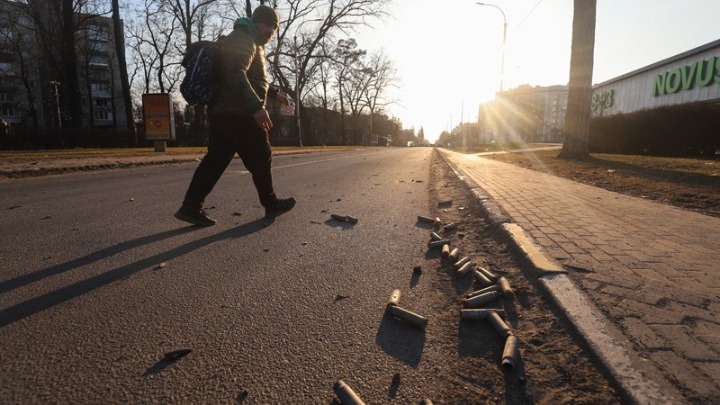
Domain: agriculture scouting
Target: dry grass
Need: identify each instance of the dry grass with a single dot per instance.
(692, 184)
(55, 154)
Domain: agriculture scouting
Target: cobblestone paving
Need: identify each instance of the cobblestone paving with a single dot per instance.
(654, 270)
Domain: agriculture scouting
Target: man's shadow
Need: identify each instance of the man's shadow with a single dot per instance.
(35, 305)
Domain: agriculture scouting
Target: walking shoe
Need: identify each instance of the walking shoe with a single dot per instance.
(279, 207)
(195, 216)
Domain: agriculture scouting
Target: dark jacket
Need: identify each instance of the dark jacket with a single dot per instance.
(242, 73)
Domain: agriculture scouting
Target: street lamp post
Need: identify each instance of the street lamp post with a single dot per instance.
(502, 63)
(55, 85)
(297, 92)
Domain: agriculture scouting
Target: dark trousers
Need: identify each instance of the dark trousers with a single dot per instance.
(230, 134)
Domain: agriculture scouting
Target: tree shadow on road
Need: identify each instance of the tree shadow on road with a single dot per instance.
(400, 340)
(37, 304)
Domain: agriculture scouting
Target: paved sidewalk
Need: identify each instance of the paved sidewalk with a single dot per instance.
(644, 277)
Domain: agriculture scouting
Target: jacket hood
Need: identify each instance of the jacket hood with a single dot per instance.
(248, 24)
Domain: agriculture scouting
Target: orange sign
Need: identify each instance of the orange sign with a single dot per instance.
(159, 120)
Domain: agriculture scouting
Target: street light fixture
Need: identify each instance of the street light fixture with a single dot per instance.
(502, 63)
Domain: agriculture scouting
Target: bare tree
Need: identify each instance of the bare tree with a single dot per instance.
(577, 119)
(119, 36)
(57, 25)
(345, 58)
(20, 45)
(381, 76)
(308, 23)
(156, 45)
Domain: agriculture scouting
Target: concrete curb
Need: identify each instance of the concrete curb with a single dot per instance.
(70, 165)
(606, 342)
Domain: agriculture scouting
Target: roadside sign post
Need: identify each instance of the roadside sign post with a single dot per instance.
(159, 120)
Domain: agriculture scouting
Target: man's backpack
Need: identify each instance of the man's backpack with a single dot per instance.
(199, 86)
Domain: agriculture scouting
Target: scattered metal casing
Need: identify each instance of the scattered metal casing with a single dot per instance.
(425, 219)
(407, 316)
(394, 298)
(499, 325)
(475, 314)
(446, 251)
(461, 262)
(346, 394)
(445, 202)
(510, 353)
(426, 402)
(176, 355)
(487, 273)
(481, 299)
(450, 226)
(507, 292)
(344, 218)
(435, 236)
(480, 278)
(482, 291)
(437, 244)
(454, 254)
(465, 269)
(338, 217)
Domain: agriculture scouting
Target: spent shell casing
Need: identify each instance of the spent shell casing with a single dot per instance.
(346, 394)
(426, 402)
(435, 236)
(437, 244)
(499, 325)
(481, 299)
(351, 219)
(407, 316)
(487, 273)
(445, 251)
(480, 278)
(425, 219)
(445, 202)
(504, 285)
(465, 269)
(461, 262)
(394, 297)
(510, 353)
(454, 254)
(473, 314)
(482, 291)
(450, 226)
(338, 217)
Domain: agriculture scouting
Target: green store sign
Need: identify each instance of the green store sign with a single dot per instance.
(701, 74)
(603, 100)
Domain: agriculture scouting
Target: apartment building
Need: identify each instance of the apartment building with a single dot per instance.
(31, 88)
(530, 114)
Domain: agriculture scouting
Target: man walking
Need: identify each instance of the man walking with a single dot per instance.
(239, 122)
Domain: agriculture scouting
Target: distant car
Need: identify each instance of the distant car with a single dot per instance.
(411, 143)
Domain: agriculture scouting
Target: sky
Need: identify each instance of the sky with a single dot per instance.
(448, 52)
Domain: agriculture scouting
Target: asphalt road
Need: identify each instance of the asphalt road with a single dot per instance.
(99, 281)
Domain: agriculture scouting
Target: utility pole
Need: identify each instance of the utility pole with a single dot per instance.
(297, 92)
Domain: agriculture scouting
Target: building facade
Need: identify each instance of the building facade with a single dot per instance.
(690, 77)
(527, 114)
(31, 85)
